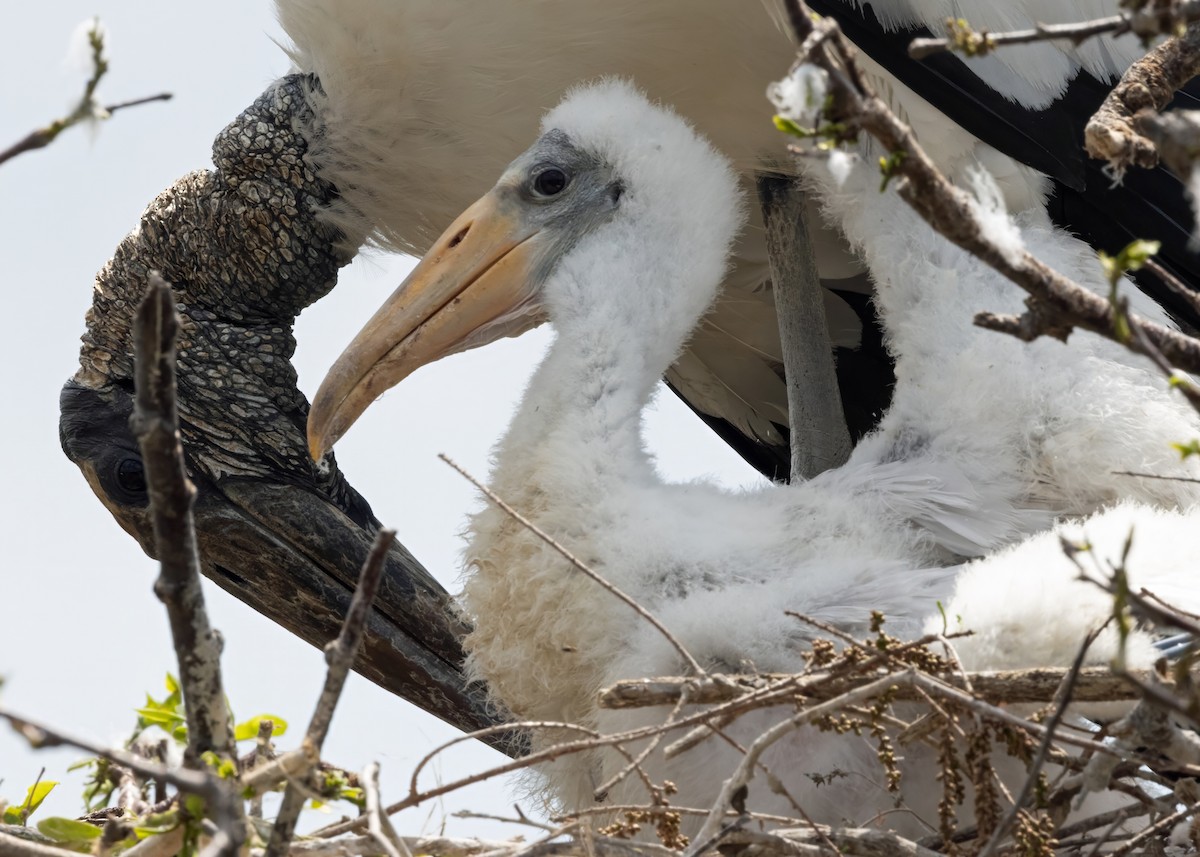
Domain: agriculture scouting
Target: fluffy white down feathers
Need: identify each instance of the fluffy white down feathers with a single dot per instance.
(422, 103)
(987, 442)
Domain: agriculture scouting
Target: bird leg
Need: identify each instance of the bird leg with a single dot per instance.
(820, 439)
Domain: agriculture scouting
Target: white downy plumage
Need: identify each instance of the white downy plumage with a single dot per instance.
(987, 440)
(423, 102)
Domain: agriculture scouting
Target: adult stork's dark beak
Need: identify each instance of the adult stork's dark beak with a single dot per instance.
(473, 287)
(246, 250)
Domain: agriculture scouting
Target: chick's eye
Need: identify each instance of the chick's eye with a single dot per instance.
(550, 181)
(131, 476)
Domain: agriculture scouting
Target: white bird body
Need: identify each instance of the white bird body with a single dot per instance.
(423, 102)
(987, 441)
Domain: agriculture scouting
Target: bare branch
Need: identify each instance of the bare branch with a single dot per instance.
(339, 655)
(1176, 285)
(156, 423)
(1147, 22)
(278, 770)
(579, 564)
(86, 109)
(14, 846)
(224, 802)
(1112, 134)
(44, 737)
(378, 824)
(1061, 698)
(1094, 684)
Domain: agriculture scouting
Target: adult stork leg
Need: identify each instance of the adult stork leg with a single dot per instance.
(819, 436)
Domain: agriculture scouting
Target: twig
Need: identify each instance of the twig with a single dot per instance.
(1147, 22)
(14, 846)
(1163, 823)
(223, 800)
(155, 421)
(264, 754)
(378, 824)
(339, 655)
(162, 845)
(270, 774)
(1176, 285)
(44, 737)
(1094, 684)
(85, 109)
(1102, 840)
(1155, 476)
(602, 790)
(137, 102)
(580, 565)
(1180, 382)
(521, 819)
(1061, 698)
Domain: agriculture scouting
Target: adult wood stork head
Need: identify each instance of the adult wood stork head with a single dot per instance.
(615, 226)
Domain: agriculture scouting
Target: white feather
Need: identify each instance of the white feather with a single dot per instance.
(421, 103)
(987, 440)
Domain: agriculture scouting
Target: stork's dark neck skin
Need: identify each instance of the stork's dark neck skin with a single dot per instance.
(245, 252)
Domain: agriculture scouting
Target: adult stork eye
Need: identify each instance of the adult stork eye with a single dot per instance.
(131, 476)
(550, 181)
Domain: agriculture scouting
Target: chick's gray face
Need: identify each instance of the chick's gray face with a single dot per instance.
(560, 191)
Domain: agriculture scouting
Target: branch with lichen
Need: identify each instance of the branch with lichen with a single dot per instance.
(1121, 131)
(155, 422)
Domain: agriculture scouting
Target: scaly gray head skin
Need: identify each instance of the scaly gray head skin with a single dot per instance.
(245, 252)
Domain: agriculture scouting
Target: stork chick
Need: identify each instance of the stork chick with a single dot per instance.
(615, 225)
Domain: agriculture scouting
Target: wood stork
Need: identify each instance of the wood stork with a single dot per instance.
(615, 225)
(419, 104)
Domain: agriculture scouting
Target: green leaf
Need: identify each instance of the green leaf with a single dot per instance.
(248, 729)
(889, 166)
(83, 763)
(355, 796)
(153, 825)
(1131, 257)
(790, 126)
(1188, 449)
(194, 805)
(1137, 253)
(223, 768)
(154, 716)
(172, 684)
(34, 797)
(68, 830)
(13, 815)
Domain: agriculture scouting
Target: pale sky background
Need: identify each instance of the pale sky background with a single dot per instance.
(82, 637)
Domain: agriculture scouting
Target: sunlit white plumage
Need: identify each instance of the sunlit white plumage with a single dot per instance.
(988, 439)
